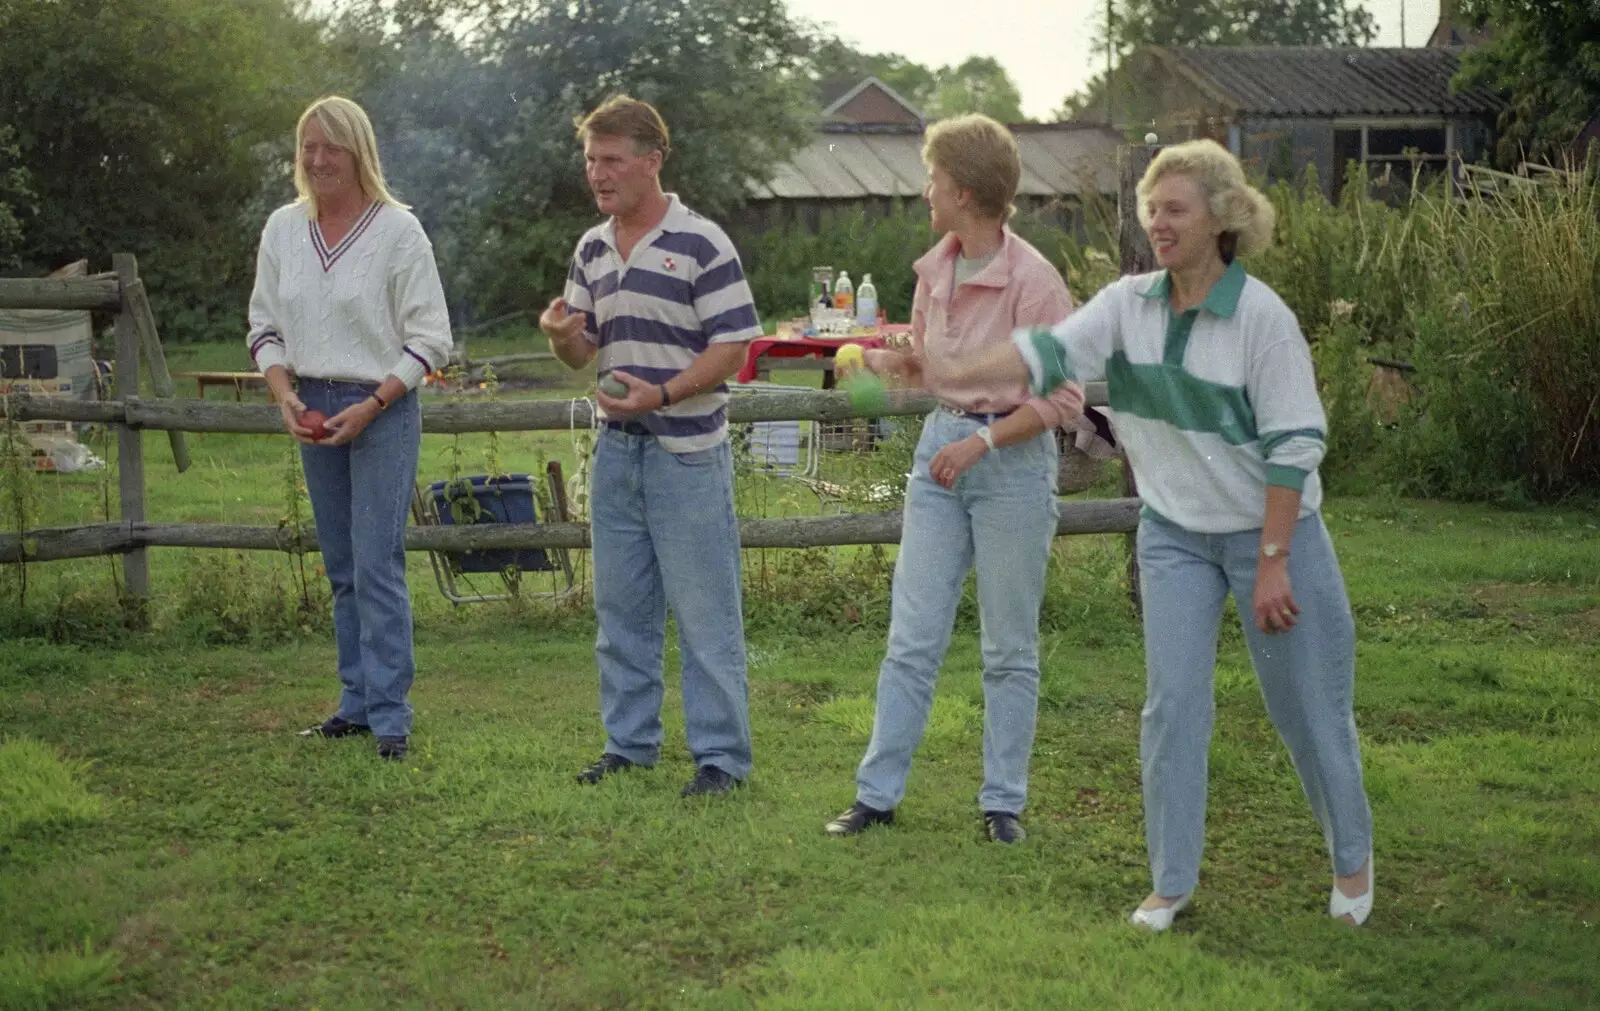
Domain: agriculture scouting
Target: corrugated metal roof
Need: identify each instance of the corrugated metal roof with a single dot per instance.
(1328, 81)
(1071, 159)
(1058, 159)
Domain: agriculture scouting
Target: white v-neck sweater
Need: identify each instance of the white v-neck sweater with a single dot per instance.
(368, 308)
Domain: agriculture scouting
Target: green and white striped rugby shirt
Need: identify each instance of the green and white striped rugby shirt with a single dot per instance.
(1212, 405)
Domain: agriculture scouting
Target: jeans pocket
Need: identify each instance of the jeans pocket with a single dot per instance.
(699, 457)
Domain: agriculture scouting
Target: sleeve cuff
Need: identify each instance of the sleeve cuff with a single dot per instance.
(409, 369)
(1045, 358)
(269, 354)
(1286, 477)
(737, 336)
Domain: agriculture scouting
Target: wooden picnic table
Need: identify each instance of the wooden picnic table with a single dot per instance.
(238, 380)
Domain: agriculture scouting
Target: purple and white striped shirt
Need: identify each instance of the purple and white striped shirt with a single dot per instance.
(682, 290)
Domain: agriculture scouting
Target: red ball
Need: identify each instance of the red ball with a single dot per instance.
(316, 423)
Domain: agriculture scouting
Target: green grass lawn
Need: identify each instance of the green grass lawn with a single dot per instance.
(167, 841)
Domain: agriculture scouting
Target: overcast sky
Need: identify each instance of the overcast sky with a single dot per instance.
(1044, 44)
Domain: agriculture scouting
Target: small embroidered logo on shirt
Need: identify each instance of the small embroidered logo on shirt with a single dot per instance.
(669, 263)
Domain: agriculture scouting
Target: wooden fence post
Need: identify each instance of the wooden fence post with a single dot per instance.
(144, 322)
(1136, 258)
(130, 446)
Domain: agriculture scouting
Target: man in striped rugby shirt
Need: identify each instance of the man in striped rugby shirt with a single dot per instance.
(657, 297)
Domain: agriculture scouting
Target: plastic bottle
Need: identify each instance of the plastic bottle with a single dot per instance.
(844, 293)
(867, 302)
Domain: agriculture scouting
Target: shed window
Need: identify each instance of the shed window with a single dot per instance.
(1385, 143)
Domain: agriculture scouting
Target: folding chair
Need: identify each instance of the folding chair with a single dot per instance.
(484, 499)
(781, 448)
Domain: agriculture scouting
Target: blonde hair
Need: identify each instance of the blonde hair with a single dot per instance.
(980, 155)
(1246, 214)
(346, 125)
(622, 116)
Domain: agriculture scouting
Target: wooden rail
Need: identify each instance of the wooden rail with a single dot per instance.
(1095, 516)
(456, 418)
(92, 294)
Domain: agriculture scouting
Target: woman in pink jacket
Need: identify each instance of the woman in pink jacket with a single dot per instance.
(983, 487)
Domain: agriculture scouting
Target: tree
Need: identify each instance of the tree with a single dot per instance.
(14, 192)
(1134, 23)
(476, 123)
(837, 67)
(979, 84)
(138, 122)
(1544, 58)
(1237, 23)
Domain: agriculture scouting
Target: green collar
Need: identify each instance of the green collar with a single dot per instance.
(1221, 300)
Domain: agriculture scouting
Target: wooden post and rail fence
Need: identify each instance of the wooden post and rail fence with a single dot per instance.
(132, 534)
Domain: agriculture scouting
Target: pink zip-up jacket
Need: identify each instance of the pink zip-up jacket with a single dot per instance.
(1019, 287)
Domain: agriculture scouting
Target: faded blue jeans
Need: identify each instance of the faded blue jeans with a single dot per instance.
(1307, 677)
(1000, 516)
(361, 495)
(665, 536)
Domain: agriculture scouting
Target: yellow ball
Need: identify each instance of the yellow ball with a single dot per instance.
(850, 357)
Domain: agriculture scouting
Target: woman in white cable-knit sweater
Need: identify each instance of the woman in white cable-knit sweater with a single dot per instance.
(346, 319)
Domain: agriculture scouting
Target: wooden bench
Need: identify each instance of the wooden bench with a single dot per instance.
(237, 380)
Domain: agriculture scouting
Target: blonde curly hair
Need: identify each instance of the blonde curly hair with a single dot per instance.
(1246, 214)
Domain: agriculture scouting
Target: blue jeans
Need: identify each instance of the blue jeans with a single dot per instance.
(1001, 515)
(1307, 677)
(361, 496)
(665, 536)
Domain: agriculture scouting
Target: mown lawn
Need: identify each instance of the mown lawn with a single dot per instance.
(167, 841)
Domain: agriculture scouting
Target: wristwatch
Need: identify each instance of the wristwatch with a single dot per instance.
(1270, 550)
(986, 435)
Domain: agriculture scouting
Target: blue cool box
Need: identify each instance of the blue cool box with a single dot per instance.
(506, 499)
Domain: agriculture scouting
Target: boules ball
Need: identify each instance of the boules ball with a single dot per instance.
(868, 396)
(613, 387)
(316, 423)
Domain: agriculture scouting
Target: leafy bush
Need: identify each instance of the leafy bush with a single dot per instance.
(1494, 300)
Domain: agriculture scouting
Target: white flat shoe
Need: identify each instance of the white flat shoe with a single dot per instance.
(1157, 920)
(1358, 908)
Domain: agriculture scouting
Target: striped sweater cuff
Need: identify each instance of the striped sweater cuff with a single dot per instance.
(410, 369)
(1045, 358)
(268, 353)
(1286, 477)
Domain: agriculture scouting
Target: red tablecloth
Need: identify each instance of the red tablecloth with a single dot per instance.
(809, 347)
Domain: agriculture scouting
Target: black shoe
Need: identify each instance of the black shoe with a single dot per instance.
(859, 818)
(608, 764)
(393, 748)
(1003, 827)
(336, 726)
(709, 781)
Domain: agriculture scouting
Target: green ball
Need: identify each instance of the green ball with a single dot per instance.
(611, 386)
(867, 393)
